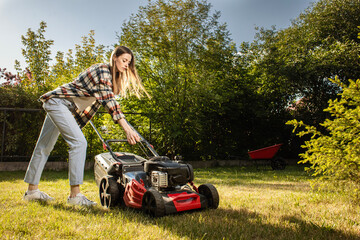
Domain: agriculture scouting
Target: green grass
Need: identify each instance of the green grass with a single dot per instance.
(253, 205)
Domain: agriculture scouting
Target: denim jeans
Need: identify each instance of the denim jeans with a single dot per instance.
(59, 120)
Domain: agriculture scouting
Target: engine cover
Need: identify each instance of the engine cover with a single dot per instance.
(159, 179)
(176, 173)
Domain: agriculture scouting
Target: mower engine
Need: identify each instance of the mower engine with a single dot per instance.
(159, 179)
(165, 174)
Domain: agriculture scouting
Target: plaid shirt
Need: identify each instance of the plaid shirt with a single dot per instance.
(95, 81)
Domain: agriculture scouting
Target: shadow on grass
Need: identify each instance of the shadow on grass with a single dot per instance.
(296, 172)
(299, 187)
(243, 224)
(10, 176)
(219, 224)
(49, 176)
(82, 210)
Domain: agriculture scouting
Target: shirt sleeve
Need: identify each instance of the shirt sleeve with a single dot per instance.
(104, 94)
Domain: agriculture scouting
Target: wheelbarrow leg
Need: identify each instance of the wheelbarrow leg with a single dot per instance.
(278, 163)
(256, 165)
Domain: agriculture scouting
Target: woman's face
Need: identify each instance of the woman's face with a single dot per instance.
(122, 62)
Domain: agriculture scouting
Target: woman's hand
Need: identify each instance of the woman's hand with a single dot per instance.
(131, 135)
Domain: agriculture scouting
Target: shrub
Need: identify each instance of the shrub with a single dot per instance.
(334, 151)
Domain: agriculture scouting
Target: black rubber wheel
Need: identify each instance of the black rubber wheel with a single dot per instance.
(191, 172)
(211, 194)
(278, 164)
(109, 192)
(153, 204)
(121, 202)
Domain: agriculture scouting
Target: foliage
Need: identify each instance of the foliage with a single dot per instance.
(10, 79)
(22, 128)
(334, 153)
(37, 56)
(296, 62)
(188, 64)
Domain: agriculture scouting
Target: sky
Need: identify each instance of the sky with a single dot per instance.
(69, 20)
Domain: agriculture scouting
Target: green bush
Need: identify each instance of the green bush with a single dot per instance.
(22, 128)
(334, 151)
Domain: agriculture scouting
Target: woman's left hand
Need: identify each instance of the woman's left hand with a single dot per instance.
(131, 135)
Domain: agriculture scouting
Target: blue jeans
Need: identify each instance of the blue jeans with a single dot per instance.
(59, 120)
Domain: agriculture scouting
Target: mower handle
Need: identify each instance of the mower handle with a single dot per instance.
(142, 140)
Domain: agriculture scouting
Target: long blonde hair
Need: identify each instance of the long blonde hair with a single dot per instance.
(128, 82)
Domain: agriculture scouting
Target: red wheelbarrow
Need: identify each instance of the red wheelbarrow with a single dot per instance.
(268, 153)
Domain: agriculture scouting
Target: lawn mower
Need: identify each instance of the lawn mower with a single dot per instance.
(155, 184)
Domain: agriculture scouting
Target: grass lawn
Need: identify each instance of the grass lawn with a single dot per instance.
(254, 204)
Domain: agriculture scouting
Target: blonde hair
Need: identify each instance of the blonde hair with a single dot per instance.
(128, 82)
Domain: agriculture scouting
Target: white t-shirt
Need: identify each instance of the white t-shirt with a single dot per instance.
(83, 102)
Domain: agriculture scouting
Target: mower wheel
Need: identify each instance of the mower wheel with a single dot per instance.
(211, 194)
(109, 192)
(153, 204)
(191, 172)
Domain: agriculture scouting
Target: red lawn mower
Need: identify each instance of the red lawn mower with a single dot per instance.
(155, 184)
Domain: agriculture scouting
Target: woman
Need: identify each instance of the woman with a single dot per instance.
(70, 107)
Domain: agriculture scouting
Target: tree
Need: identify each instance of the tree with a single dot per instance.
(297, 61)
(37, 56)
(188, 64)
(334, 154)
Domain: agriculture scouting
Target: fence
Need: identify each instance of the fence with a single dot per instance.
(3, 122)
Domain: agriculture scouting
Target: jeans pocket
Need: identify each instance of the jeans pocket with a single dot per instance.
(49, 104)
(52, 101)
(68, 103)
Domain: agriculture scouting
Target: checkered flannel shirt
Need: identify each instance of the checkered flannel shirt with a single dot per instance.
(95, 81)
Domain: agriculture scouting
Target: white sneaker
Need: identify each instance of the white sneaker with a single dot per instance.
(37, 195)
(80, 200)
